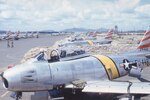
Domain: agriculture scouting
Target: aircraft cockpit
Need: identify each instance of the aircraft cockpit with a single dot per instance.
(61, 55)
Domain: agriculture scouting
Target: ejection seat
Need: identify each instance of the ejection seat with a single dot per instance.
(54, 56)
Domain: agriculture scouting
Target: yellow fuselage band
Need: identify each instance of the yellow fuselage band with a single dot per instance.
(109, 65)
(90, 42)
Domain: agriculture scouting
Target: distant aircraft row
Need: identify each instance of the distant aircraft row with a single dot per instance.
(18, 35)
(88, 39)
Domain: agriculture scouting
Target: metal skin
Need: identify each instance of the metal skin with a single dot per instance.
(44, 76)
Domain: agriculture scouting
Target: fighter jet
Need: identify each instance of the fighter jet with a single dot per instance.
(92, 74)
(3, 36)
(32, 35)
(83, 36)
(82, 42)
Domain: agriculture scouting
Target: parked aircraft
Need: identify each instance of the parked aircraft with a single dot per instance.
(9, 34)
(82, 42)
(92, 74)
(83, 36)
(32, 35)
(19, 35)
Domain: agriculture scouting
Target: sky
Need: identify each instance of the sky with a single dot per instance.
(28, 15)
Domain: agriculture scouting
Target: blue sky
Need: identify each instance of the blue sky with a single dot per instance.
(61, 14)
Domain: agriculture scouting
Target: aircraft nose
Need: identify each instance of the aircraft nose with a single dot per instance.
(27, 77)
(11, 78)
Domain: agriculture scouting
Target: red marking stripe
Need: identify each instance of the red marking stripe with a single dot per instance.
(144, 46)
(147, 38)
(109, 34)
(147, 33)
(108, 37)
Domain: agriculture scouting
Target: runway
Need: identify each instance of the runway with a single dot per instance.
(21, 46)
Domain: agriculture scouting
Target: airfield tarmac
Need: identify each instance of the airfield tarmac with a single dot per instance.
(14, 55)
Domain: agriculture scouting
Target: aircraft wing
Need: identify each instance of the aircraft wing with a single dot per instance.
(117, 87)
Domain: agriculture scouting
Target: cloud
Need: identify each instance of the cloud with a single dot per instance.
(6, 14)
(144, 9)
(126, 4)
(60, 14)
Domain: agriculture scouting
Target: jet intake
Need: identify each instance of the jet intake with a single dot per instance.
(5, 82)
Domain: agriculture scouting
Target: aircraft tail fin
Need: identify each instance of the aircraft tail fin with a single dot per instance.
(92, 34)
(109, 34)
(145, 42)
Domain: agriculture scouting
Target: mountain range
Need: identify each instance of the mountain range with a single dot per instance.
(84, 30)
(78, 30)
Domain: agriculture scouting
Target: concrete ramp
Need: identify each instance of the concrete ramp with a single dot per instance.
(42, 95)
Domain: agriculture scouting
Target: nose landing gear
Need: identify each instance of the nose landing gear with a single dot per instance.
(16, 95)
